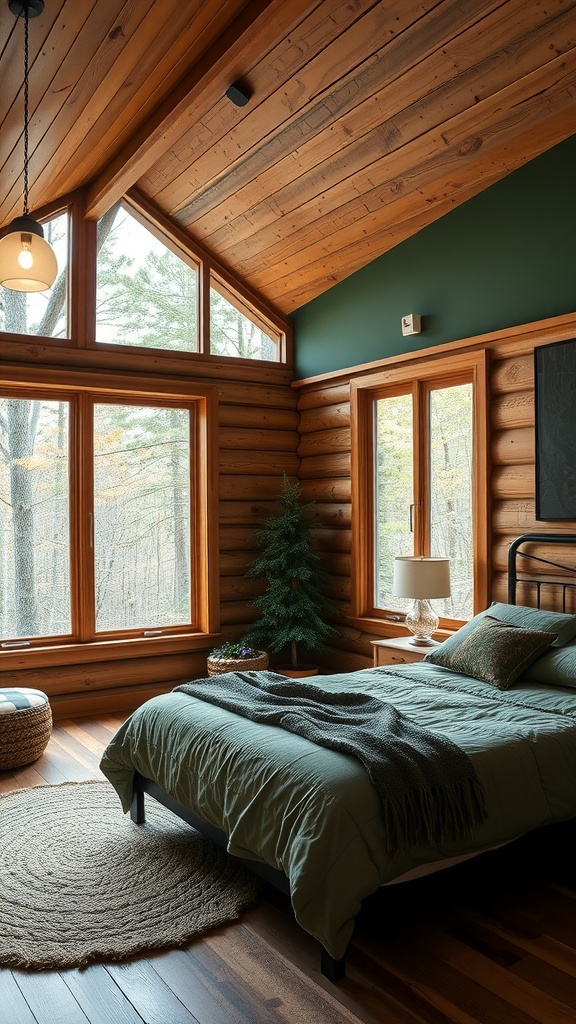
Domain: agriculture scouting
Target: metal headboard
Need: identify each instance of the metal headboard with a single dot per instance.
(516, 557)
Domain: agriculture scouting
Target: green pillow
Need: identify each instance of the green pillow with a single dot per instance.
(438, 654)
(563, 625)
(495, 652)
(555, 668)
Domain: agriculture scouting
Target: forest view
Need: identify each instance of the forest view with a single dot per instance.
(140, 526)
(449, 511)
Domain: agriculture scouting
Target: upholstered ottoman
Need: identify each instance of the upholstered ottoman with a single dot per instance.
(25, 726)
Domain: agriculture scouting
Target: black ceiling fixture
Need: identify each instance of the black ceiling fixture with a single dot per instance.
(20, 7)
(238, 93)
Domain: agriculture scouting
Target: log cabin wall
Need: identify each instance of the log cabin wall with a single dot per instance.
(325, 450)
(258, 443)
(268, 427)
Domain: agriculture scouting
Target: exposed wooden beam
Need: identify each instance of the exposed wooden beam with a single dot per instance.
(164, 125)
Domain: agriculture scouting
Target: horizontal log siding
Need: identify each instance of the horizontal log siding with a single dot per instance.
(324, 449)
(325, 477)
(258, 444)
(513, 477)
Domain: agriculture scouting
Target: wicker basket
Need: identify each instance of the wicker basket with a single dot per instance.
(24, 735)
(216, 666)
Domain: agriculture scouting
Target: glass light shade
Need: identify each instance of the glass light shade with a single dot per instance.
(421, 578)
(27, 261)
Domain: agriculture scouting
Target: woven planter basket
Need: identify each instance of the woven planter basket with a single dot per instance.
(24, 735)
(216, 666)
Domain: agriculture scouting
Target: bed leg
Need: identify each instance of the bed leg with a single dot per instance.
(332, 969)
(137, 810)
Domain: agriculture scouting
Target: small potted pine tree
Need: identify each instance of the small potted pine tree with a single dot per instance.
(292, 601)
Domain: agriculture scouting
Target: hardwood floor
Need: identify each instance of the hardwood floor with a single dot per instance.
(491, 942)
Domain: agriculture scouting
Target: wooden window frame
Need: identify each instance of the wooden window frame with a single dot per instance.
(173, 245)
(81, 296)
(426, 375)
(248, 311)
(210, 272)
(83, 647)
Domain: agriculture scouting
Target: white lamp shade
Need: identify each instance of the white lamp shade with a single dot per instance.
(421, 578)
(41, 272)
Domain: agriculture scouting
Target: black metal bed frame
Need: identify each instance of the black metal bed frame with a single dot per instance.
(515, 556)
(334, 970)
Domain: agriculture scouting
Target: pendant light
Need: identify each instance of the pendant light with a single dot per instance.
(27, 261)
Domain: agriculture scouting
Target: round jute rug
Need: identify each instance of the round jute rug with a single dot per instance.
(80, 882)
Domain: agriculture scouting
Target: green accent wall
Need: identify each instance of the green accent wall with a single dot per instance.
(503, 258)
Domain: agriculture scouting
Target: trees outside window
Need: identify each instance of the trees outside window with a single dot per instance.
(141, 516)
(146, 294)
(151, 292)
(34, 517)
(125, 512)
(107, 497)
(419, 481)
(237, 331)
(427, 508)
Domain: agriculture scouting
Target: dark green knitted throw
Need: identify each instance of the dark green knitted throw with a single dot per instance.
(427, 784)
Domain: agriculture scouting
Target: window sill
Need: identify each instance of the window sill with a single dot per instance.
(103, 650)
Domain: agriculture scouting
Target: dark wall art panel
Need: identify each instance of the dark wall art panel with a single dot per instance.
(555, 404)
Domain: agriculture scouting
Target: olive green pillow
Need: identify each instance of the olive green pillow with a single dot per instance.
(495, 652)
(559, 623)
(439, 654)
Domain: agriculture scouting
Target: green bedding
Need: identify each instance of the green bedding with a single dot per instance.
(427, 785)
(314, 814)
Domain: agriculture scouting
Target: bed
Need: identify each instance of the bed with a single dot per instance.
(310, 819)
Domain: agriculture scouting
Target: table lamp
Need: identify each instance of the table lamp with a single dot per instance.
(421, 578)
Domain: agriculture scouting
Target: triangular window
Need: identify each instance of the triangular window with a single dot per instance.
(146, 287)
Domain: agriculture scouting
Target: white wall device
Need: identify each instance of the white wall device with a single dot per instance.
(411, 324)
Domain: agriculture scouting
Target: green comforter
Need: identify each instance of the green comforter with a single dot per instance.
(314, 814)
(427, 785)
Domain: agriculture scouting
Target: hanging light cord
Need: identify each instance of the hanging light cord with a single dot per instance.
(26, 112)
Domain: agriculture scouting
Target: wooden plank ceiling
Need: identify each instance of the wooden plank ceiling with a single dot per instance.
(368, 119)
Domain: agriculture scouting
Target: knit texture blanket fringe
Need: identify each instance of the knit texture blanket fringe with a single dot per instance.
(428, 786)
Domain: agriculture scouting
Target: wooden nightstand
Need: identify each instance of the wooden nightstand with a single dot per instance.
(397, 651)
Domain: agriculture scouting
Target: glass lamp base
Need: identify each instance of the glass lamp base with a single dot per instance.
(422, 621)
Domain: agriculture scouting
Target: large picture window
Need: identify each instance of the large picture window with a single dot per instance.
(419, 482)
(141, 516)
(99, 532)
(35, 517)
